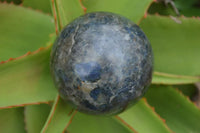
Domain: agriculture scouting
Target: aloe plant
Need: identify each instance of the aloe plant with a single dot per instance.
(29, 102)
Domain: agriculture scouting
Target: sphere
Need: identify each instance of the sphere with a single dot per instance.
(102, 63)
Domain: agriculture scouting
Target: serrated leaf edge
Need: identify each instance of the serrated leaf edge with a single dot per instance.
(49, 45)
(71, 114)
(169, 16)
(145, 12)
(27, 7)
(27, 54)
(187, 98)
(22, 105)
(125, 123)
(153, 109)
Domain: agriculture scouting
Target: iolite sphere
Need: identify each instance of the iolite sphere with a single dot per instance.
(102, 63)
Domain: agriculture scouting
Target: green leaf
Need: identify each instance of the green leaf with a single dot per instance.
(181, 115)
(65, 11)
(14, 1)
(12, 120)
(27, 80)
(83, 123)
(142, 118)
(187, 8)
(22, 30)
(162, 9)
(175, 44)
(60, 116)
(43, 5)
(189, 90)
(170, 79)
(132, 9)
(35, 117)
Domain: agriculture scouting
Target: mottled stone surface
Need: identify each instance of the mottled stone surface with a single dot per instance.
(102, 63)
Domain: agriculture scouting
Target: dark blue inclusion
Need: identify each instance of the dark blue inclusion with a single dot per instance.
(129, 30)
(90, 71)
(94, 93)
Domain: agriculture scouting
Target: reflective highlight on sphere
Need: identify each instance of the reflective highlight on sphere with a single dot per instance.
(102, 63)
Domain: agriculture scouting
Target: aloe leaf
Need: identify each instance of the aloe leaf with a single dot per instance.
(175, 44)
(27, 80)
(12, 120)
(132, 9)
(14, 1)
(181, 115)
(60, 116)
(95, 124)
(189, 90)
(43, 5)
(161, 9)
(22, 30)
(187, 8)
(65, 11)
(143, 119)
(170, 79)
(35, 117)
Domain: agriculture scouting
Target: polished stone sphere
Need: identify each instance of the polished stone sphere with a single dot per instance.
(102, 63)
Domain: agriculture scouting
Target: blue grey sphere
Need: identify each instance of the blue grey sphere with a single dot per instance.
(102, 63)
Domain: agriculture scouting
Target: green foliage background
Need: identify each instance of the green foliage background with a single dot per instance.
(29, 102)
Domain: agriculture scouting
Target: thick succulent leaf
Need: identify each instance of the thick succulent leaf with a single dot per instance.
(189, 7)
(26, 80)
(161, 8)
(189, 90)
(43, 5)
(175, 45)
(12, 120)
(35, 117)
(65, 11)
(142, 118)
(14, 1)
(83, 123)
(132, 9)
(181, 115)
(170, 79)
(59, 118)
(186, 7)
(22, 30)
